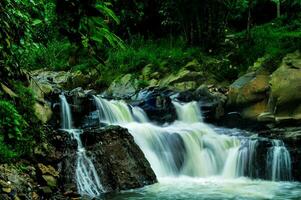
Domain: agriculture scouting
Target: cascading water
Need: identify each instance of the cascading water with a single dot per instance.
(279, 162)
(188, 147)
(87, 180)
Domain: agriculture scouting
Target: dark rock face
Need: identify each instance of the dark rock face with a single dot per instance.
(157, 104)
(291, 137)
(211, 101)
(118, 160)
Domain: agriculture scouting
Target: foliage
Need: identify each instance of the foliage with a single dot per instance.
(163, 56)
(20, 129)
(272, 41)
(22, 22)
(54, 55)
(12, 125)
(85, 23)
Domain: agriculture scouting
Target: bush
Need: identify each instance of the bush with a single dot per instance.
(55, 56)
(272, 40)
(12, 125)
(165, 55)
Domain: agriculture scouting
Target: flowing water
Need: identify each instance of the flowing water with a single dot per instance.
(190, 158)
(278, 160)
(87, 180)
(193, 161)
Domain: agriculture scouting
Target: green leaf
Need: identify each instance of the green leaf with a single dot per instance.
(36, 22)
(107, 12)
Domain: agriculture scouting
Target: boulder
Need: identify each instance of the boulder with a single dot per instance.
(124, 87)
(61, 80)
(157, 104)
(118, 160)
(249, 95)
(285, 96)
(43, 112)
(17, 180)
(183, 80)
(211, 101)
(47, 170)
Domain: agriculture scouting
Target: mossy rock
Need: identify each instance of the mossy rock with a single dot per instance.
(285, 97)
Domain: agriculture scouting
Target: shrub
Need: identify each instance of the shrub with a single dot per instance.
(165, 55)
(12, 125)
(272, 40)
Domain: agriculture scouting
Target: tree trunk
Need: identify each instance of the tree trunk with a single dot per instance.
(249, 19)
(278, 9)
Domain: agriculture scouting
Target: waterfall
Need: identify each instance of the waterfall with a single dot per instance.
(113, 111)
(279, 162)
(87, 179)
(66, 117)
(188, 146)
(189, 112)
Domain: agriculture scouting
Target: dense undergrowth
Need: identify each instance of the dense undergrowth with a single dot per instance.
(19, 127)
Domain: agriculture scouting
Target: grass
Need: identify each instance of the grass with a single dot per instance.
(163, 55)
(272, 40)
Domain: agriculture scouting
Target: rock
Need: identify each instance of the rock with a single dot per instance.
(34, 196)
(51, 80)
(4, 184)
(211, 102)
(157, 104)
(249, 88)
(5, 197)
(41, 89)
(193, 65)
(117, 158)
(124, 87)
(183, 80)
(14, 182)
(266, 117)
(42, 112)
(7, 190)
(249, 95)
(47, 170)
(285, 97)
(50, 180)
(76, 79)
(8, 91)
(46, 191)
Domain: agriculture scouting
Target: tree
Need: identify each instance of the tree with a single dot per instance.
(278, 2)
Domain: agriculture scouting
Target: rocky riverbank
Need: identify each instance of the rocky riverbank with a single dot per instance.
(265, 103)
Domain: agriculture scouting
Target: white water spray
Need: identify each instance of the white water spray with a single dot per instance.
(87, 179)
(188, 147)
(279, 162)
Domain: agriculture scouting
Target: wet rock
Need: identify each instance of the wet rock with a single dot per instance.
(118, 160)
(157, 104)
(211, 102)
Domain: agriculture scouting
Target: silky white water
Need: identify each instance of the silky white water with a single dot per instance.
(187, 147)
(87, 179)
(279, 162)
